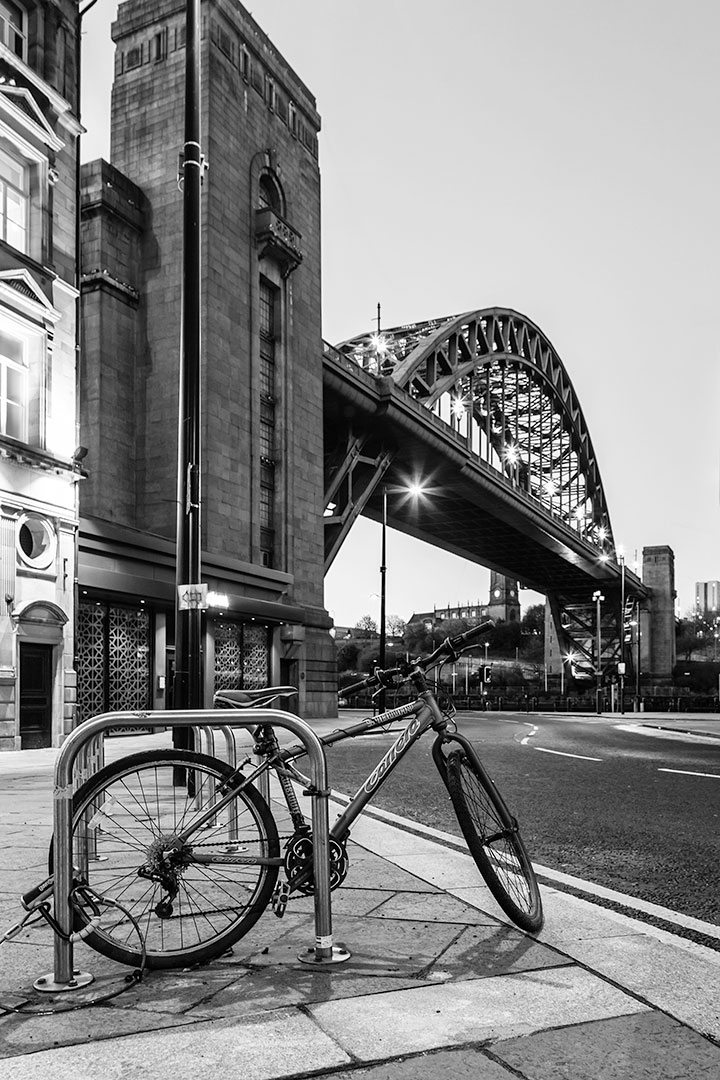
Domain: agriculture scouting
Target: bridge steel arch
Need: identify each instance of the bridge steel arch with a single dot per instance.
(495, 382)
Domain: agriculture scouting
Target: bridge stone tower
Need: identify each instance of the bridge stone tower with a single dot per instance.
(262, 400)
(657, 618)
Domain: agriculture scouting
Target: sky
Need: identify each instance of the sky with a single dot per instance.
(560, 158)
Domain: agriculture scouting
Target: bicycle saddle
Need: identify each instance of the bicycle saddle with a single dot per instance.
(248, 699)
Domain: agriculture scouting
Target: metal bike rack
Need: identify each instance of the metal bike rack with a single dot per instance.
(324, 953)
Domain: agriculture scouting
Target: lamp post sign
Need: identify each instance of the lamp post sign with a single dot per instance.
(192, 597)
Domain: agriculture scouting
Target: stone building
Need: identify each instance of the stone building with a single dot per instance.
(261, 391)
(39, 466)
(503, 605)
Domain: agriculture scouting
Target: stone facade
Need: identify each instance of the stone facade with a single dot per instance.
(262, 451)
(657, 616)
(39, 467)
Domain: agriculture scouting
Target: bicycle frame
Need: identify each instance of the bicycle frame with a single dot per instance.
(424, 713)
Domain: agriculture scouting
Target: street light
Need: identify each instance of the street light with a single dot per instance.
(621, 665)
(598, 598)
(383, 574)
(414, 490)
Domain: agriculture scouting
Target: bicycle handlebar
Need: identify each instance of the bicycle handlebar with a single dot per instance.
(449, 649)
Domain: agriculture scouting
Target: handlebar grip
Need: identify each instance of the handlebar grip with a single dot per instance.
(469, 636)
(355, 688)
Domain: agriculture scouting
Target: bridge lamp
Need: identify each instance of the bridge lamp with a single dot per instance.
(598, 598)
(458, 407)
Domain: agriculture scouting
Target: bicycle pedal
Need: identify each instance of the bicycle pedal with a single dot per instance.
(280, 898)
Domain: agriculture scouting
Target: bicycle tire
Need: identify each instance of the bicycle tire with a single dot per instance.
(124, 818)
(494, 841)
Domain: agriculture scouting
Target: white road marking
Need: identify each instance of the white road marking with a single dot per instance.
(668, 733)
(562, 753)
(523, 742)
(687, 772)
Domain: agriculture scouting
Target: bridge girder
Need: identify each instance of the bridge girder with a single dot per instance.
(495, 378)
(480, 408)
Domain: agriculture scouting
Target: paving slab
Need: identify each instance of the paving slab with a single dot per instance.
(470, 1011)
(63, 1023)
(283, 1043)
(685, 982)
(646, 1046)
(483, 951)
(265, 989)
(434, 906)
(467, 1063)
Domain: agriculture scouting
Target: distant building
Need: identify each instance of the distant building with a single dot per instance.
(502, 606)
(707, 595)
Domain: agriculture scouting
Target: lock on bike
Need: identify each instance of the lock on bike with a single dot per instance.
(189, 846)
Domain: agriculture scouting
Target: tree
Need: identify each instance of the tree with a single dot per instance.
(505, 638)
(347, 656)
(692, 635)
(395, 626)
(367, 624)
(533, 621)
(532, 646)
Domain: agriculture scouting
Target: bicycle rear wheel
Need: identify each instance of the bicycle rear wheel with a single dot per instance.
(190, 900)
(494, 841)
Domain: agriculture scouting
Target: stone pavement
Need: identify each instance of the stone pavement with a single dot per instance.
(439, 984)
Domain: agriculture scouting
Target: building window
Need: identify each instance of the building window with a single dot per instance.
(113, 658)
(268, 447)
(160, 46)
(270, 194)
(244, 63)
(13, 387)
(13, 28)
(36, 542)
(242, 656)
(14, 201)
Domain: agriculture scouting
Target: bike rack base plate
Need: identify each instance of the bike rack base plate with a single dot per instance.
(338, 955)
(46, 984)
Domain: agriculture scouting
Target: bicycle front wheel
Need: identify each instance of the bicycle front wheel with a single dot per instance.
(189, 890)
(494, 841)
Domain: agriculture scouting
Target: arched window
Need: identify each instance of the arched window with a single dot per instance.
(13, 28)
(270, 193)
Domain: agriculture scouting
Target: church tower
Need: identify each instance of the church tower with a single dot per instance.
(504, 603)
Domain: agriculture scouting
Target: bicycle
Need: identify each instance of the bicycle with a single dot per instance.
(188, 851)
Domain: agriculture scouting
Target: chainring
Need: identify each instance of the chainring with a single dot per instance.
(299, 862)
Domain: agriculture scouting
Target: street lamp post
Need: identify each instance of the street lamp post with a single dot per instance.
(621, 665)
(383, 573)
(188, 690)
(598, 598)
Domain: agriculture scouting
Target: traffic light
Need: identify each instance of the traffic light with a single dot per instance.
(487, 673)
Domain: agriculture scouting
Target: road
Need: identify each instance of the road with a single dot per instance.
(623, 806)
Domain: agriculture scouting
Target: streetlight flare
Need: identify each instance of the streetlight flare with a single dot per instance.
(458, 407)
